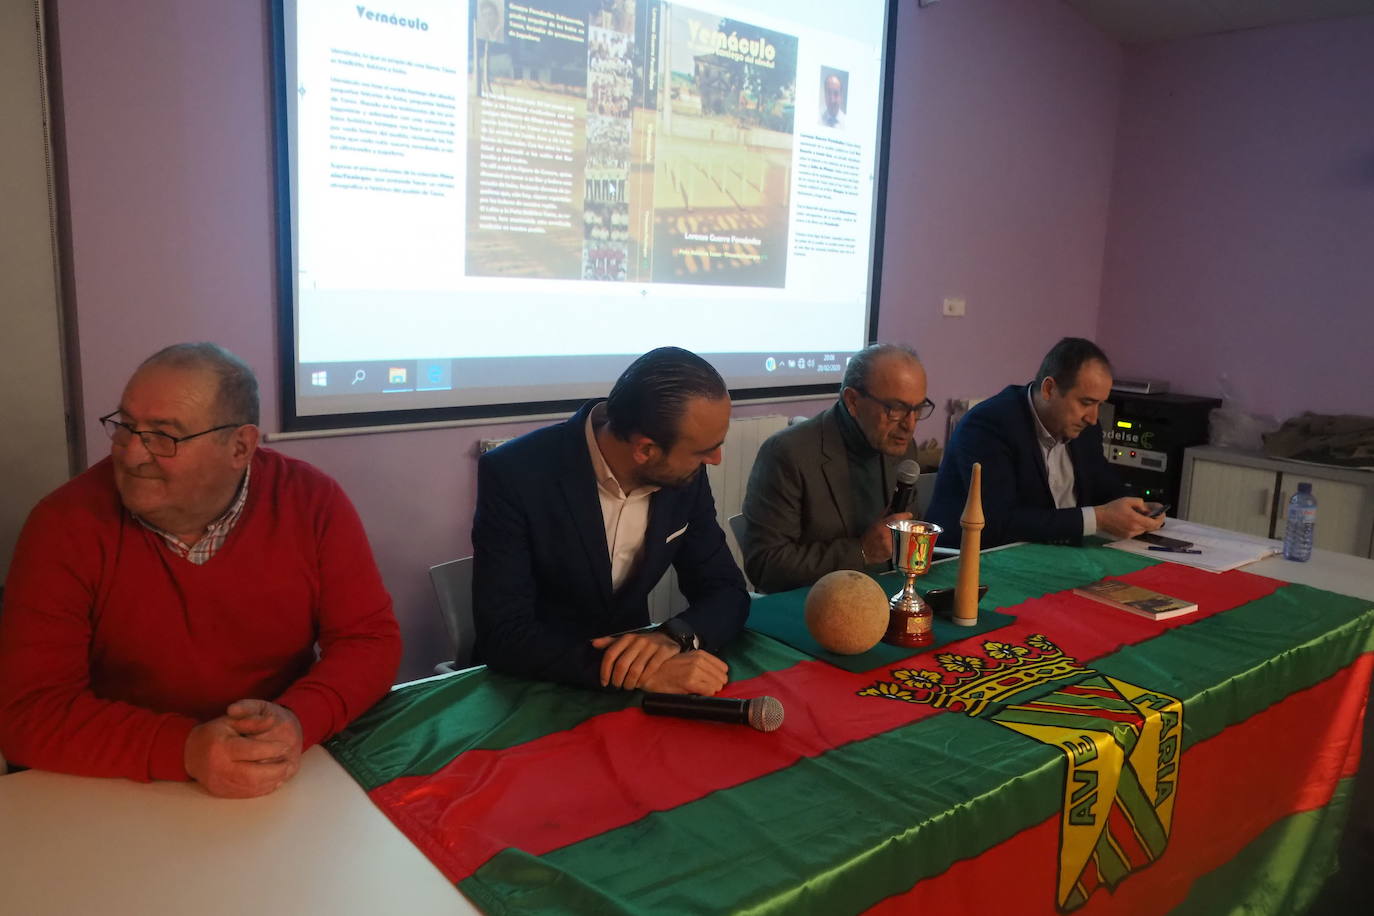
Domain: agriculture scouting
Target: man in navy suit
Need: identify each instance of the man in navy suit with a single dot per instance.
(577, 522)
(1045, 477)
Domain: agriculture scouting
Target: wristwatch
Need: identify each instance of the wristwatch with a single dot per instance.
(681, 632)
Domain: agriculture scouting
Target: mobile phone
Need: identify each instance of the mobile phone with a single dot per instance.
(1150, 537)
(941, 600)
(1165, 507)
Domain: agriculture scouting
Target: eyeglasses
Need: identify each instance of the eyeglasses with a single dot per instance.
(897, 411)
(159, 444)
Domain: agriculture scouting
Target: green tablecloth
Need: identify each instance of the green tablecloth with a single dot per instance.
(533, 797)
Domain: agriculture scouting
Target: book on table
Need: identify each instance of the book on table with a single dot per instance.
(1137, 600)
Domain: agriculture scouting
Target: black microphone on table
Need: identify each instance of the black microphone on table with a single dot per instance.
(762, 713)
(908, 472)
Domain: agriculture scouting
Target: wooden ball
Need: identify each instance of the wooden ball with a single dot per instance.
(846, 612)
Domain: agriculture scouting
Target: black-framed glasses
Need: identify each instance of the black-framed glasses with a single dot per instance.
(159, 444)
(897, 411)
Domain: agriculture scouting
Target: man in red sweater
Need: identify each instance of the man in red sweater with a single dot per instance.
(164, 608)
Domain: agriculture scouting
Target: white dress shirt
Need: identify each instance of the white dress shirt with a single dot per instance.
(1060, 468)
(624, 515)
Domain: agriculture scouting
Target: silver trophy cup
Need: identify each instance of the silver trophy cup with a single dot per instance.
(913, 544)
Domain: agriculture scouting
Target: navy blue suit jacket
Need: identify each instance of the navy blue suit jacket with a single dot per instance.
(1017, 503)
(542, 571)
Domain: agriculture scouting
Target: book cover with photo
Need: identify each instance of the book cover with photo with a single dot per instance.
(556, 100)
(722, 158)
(1135, 599)
(628, 141)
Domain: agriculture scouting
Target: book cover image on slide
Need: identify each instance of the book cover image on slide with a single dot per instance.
(627, 140)
(1135, 599)
(551, 92)
(723, 158)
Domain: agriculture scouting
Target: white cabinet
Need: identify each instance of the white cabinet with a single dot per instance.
(1228, 496)
(1246, 491)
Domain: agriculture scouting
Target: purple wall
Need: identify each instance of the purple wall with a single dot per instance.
(1004, 124)
(1002, 149)
(1242, 227)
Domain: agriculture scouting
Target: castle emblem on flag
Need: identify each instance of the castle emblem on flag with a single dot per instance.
(1121, 743)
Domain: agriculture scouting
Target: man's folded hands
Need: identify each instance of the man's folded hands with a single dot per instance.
(653, 661)
(251, 750)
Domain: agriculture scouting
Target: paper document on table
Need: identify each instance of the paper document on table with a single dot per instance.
(1221, 549)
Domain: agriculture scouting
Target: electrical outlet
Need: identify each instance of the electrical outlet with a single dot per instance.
(953, 307)
(486, 445)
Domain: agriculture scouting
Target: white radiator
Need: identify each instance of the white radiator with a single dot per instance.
(728, 480)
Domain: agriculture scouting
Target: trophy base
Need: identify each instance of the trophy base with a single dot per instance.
(910, 631)
(909, 642)
(910, 623)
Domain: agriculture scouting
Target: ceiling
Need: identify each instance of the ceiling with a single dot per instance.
(1141, 21)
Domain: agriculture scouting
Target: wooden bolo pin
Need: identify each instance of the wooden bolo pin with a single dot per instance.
(966, 588)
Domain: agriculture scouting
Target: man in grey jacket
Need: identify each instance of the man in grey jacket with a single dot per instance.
(818, 493)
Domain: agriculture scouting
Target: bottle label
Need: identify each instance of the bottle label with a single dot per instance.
(1305, 515)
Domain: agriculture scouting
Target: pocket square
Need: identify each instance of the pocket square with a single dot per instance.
(676, 534)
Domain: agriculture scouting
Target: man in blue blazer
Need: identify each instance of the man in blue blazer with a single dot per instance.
(1045, 477)
(577, 522)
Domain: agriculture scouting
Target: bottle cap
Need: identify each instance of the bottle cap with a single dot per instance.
(1304, 487)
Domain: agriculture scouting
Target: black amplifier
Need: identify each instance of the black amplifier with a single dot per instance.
(1144, 436)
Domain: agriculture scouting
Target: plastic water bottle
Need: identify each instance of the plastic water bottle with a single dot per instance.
(1302, 518)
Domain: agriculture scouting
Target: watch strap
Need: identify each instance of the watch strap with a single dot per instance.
(681, 633)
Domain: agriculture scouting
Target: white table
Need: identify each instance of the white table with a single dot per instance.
(1335, 572)
(75, 845)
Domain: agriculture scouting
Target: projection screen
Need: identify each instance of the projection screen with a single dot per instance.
(489, 207)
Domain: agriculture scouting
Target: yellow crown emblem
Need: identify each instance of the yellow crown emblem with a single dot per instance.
(972, 684)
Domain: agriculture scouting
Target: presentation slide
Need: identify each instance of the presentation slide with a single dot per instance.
(499, 203)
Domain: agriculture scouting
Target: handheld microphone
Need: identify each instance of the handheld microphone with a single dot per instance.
(908, 472)
(762, 713)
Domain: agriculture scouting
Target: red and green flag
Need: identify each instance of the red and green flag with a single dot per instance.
(1078, 758)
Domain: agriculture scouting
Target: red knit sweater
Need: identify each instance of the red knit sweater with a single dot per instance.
(112, 647)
